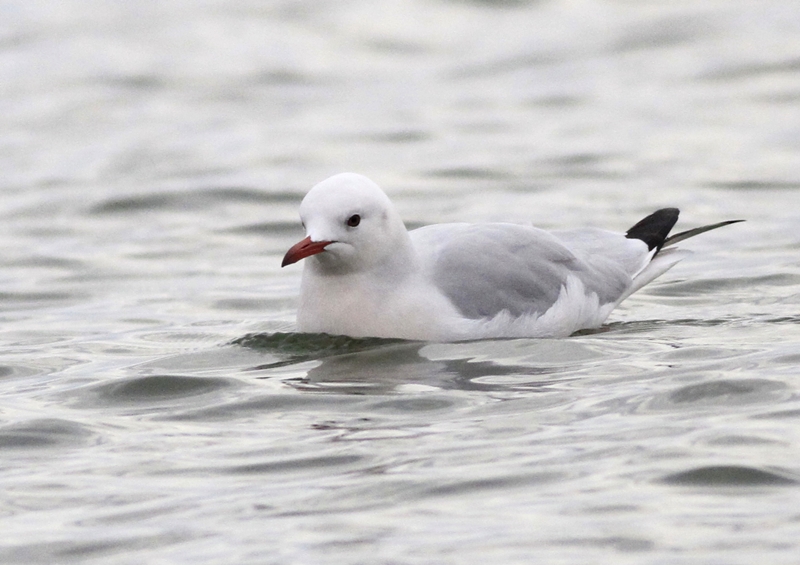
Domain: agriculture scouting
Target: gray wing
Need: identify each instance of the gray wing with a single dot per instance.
(487, 268)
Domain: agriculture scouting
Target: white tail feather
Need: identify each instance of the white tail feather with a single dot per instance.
(661, 263)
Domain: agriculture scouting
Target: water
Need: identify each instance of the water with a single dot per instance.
(157, 407)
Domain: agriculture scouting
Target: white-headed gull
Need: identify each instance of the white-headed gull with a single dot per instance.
(367, 276)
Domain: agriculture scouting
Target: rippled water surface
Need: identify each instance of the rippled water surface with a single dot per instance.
(157, 406)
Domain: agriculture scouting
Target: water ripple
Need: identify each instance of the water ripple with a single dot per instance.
(721, 393)
(45, 433)
(153, 389)
(730, 475)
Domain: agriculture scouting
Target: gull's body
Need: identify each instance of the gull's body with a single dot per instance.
(366, 275)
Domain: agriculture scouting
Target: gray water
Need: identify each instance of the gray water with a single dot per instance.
(157, 406)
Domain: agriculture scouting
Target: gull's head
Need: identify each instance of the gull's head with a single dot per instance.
(350, 225)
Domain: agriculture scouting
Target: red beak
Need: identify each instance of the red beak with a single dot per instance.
(304, 249)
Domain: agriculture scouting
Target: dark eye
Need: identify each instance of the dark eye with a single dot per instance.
(353, 220)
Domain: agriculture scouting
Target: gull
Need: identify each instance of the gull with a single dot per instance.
(366, 275)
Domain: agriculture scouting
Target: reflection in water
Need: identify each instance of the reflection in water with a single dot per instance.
(378, 366)
(383, 371)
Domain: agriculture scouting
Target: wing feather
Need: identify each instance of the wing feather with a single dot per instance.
(486, 269)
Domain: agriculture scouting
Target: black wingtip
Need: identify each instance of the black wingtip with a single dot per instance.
(655, 228)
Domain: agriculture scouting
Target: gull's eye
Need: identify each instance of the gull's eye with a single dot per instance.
(354, 220)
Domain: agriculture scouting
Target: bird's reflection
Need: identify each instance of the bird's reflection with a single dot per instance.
(350, 366)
